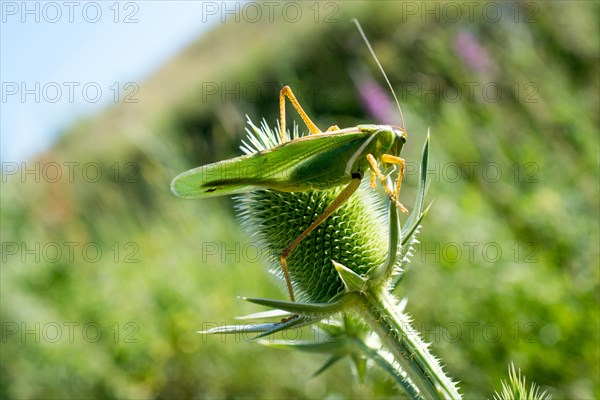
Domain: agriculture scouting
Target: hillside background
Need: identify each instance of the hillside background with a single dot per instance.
(508, 268)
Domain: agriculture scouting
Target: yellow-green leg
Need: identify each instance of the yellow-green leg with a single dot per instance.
(287, 92)
(335, 204)
(375, 171)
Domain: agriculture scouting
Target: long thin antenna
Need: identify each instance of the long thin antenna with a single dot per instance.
(362, 33)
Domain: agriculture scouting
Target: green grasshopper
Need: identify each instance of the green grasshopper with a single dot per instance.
(319, 161)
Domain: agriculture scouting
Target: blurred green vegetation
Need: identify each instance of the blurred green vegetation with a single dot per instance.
(177, 268)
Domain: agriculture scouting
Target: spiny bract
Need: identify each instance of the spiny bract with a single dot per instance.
(356, 235)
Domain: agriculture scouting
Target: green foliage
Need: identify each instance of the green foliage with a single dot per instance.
(535, 303)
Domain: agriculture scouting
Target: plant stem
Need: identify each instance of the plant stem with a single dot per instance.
(379, 310)
(392, 367)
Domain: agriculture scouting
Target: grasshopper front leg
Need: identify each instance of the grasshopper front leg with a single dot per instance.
(375, 171)
(335, 204)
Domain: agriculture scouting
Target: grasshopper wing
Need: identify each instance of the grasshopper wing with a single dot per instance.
(276, 168)
(236, 175)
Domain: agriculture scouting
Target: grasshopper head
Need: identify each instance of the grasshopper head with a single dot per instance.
(399, 139)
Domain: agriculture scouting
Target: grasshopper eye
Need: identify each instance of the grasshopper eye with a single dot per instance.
(399, 139)
(400, 134)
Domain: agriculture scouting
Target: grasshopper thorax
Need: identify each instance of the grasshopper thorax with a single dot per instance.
(390, 138)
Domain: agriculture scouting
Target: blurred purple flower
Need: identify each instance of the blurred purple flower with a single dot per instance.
(472, 53)
(375, 100)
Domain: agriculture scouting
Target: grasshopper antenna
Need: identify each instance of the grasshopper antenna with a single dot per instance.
(362, 33)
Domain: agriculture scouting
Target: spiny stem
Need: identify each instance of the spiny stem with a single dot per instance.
(393, 368)
(378, 309)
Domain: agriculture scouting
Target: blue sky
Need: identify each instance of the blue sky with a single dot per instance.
(50, 51)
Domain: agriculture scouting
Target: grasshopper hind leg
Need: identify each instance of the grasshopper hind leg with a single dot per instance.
(287, 92)
(335, 204)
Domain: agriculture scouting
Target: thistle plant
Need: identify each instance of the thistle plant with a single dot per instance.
(344, 273)
(516, 388)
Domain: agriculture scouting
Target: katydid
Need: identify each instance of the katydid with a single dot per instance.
(318, 161)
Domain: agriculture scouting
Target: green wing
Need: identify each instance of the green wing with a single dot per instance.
(314, 161)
